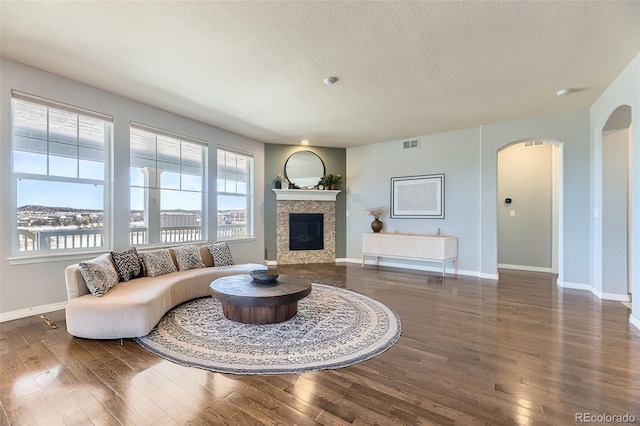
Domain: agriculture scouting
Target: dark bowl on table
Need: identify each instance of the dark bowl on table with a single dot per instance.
(264, 277)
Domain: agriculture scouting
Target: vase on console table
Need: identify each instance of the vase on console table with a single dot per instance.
(376, 225)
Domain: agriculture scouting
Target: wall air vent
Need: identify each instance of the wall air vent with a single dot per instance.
(413, 143)
(533, 144)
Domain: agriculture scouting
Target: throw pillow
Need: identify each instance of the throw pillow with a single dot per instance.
(143, 272)
(99, 274)
(127, 264)
(188, 257)
(221, 254)
(158, 262)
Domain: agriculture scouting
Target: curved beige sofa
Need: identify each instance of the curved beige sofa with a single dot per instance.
(133, 308)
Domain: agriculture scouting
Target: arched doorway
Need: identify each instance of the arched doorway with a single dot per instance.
(529, 178)
(616, 145)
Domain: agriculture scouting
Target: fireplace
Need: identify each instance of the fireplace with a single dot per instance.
(306, 231)
(305, 202)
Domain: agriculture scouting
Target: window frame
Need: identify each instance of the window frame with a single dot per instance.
(203, 190)
(249, 196)
(27, 256)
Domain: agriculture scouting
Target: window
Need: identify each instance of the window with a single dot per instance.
(235, 194)
(167, 178)
(59, 167)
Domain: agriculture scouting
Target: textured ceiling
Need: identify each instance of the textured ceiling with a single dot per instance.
(405, 68)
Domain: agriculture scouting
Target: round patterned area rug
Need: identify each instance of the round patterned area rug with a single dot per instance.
(333, 328)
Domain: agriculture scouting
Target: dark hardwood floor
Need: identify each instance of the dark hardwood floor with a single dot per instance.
(518, 351)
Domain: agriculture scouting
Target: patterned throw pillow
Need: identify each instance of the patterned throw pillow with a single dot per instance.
(221, 254)
(188, 257)
(99, 274)
(143, 272)
(158, 262)
(127, 264)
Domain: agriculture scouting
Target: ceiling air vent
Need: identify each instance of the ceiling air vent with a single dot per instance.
(413, 143)
(533, 144)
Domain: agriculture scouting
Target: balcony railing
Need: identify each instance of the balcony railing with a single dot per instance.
(232, 231)
(58, 239)
(174, 234)
(30, 239)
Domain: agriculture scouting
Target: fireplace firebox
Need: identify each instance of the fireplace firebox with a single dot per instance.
(306, 231)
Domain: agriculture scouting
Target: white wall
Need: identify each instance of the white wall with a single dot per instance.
(615, 159)
(469, 160)
(38, 287)
(455, 154)
(625, 90)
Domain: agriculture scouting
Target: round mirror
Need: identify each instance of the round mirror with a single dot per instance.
(304, 169)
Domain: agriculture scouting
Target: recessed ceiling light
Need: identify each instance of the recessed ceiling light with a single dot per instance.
(330, 80)
(563, 92)
(304, 141)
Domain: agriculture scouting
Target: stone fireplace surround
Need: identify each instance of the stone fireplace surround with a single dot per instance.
(305, 201)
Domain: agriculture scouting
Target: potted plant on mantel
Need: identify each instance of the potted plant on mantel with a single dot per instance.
(278, 181)
(330, 181)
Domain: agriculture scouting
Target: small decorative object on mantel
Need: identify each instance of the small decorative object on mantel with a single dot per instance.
(278, 181)
(323, 183)
(376, 212)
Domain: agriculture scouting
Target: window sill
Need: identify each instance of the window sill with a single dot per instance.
(236, 240)
(77, 257)
(54, 257)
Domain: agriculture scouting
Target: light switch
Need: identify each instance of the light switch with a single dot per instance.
(512, 213)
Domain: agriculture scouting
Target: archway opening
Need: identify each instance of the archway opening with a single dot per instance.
(528, 206)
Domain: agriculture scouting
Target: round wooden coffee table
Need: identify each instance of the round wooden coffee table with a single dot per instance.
(250, 303)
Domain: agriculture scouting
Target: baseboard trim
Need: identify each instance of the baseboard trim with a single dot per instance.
(478, 274)
(613, 296)
(417, 267)
(574, 286)
(275, 262)
(634, 321)
(525, 268)
(34, 310)
(487, 276)
(595, 291)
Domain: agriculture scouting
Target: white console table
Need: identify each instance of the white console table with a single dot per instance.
(429, 248)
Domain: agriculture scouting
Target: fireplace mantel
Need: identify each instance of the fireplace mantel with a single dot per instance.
(305, 194)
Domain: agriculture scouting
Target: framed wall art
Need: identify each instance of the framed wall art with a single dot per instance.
(417, 197)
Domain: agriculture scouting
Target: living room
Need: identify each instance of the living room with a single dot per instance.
(467, 156)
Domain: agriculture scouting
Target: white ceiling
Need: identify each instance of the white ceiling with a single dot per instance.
(405, 69)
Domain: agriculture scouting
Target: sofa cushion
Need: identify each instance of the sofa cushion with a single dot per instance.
(158, 262)
(99, 274)
(188, 257)
(221, 254)
(205, 254)
(127, 264)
